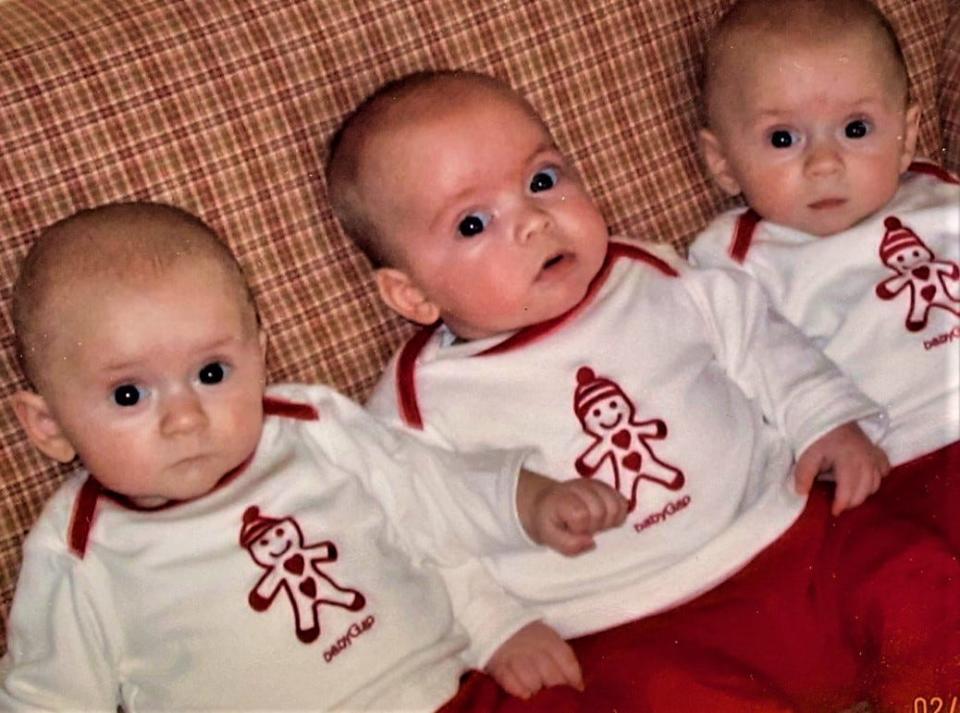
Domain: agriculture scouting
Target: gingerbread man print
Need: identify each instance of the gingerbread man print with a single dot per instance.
(930, 282)
(609, 416)
(277, 545)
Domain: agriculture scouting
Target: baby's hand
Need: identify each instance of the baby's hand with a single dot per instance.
(857, 465)
(534, 657)
(565, 515)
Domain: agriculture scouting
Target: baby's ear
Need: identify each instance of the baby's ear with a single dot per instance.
(41, 427)
(405, 298)
(911, 130)
(716, 161)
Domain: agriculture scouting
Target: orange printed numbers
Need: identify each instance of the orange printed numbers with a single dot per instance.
(936, 704)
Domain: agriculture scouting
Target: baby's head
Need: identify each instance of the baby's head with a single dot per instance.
(138, 332)
(808, 111)
(453, 186)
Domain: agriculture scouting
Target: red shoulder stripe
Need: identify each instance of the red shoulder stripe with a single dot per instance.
(743, 234)
(406, 379)
(289, 409)
(932, 169)
(84, 512)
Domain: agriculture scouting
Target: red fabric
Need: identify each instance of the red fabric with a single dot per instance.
(865, 606)
(743, 234)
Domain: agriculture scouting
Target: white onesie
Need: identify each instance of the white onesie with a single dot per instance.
(882, 299)
(305, 581)
(673, 385)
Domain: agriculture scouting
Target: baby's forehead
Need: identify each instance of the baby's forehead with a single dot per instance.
(753, 55)
(760, 27)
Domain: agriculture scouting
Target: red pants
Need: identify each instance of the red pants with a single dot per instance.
(864, 606)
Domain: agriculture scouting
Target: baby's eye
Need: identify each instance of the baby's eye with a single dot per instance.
(543, 180)
(213, 373)
(782, 139)
(857, 129)
(473, 224)
(127, 395)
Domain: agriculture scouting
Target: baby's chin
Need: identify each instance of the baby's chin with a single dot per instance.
(831, 229)
(522, 321)
(821, 224)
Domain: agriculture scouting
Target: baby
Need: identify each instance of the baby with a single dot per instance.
(224, 547)
(809, 118)
(611, 361)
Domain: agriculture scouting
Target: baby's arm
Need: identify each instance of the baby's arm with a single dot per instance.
(857, 465)
(57, 649)
(565, 515)
(452, 508)
(797, 387)
(535, 657)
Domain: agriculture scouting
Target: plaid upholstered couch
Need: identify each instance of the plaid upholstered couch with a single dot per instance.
(223, 107)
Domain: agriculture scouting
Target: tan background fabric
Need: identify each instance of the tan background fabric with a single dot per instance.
(223, 106)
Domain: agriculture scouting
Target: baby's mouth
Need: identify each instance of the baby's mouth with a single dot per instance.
(552, 262)
(825, 203)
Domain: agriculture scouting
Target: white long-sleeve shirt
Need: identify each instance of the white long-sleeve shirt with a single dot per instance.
(670, 383)
(881, 298)
(305, 581)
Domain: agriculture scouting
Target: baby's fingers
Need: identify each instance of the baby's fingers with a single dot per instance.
(602, 507)
(561, 530)
(843, 496)
(518, 681)
(806, 471)
(614, 507)
(567, 668)
(854, 487)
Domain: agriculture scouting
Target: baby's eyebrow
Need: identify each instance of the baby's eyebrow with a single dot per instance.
(770, 114)
(132, 363)
(545, 147)
(120, 366)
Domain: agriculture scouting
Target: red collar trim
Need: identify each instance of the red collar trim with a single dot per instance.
(406, 362)
(84, 513)
(932, 169)
(536, 331)
(289, 409)
(746, 225)
(406, 384)
(86, 504)
(743, 234)
(92, 491)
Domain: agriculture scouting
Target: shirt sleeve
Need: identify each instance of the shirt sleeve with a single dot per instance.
(798, 388)
(450, 509)
(448, 506)
(58, 656)
(483, 608)
(488, 613)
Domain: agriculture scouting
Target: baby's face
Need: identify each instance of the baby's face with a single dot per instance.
(814, 135)
(492, 223)
(161, 383)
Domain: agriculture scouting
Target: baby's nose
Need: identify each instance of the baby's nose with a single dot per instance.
(533, 221)
(824, 158)
(183, 413)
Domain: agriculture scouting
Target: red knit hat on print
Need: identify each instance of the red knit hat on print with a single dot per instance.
(897, 238)
(254, 525)
(592, 388)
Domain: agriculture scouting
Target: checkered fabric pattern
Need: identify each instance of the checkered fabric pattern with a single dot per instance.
(949, 98)
(224, 106)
